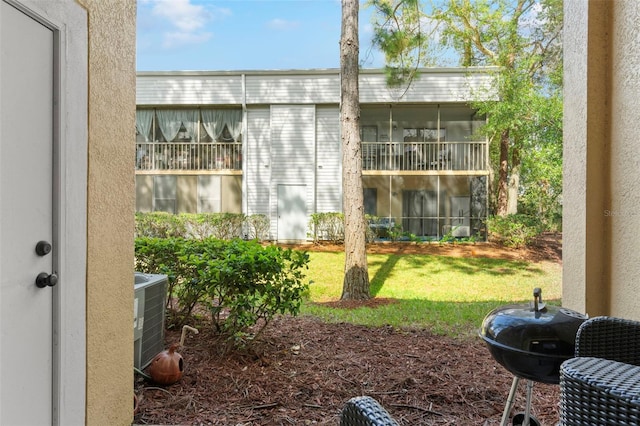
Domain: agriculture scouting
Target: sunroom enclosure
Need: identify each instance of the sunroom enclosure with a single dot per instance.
(424, 170)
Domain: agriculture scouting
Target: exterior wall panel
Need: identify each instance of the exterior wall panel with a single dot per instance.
(189, 90)
(258, 161)
(303, 87)
(329, 160)
(293, 152)
(293, 89)
(429, 87)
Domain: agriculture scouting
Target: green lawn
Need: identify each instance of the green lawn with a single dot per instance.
(447, 295)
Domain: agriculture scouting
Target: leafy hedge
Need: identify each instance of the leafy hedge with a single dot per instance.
(240, 283)
(224, 226)
(330, 227)
(515, 230)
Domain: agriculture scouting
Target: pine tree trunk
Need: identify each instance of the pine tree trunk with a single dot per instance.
(514, 182)
(501, 207)
(356, 273)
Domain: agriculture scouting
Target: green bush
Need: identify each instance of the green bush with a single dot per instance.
(516, 230)
(257, 227)
(241, 283)
(160, 224)
(155, 255)
(224, 226)
(327, 227)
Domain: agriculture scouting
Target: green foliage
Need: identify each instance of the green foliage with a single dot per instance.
(327, 227)
(516, 230)
(242, 284)
(224, 226)
(541, 178)
(160, 224)
(258, 227)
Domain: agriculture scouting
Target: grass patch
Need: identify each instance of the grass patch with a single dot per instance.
(447, 295)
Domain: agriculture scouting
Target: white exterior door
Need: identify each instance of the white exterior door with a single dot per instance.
(292, 212)
(26, 217)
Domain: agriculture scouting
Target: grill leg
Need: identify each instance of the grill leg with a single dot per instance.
(510, 401)
(527, 411)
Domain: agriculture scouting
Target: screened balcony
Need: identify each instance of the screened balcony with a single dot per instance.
(419, 156)
(188, 139)
(422, 138)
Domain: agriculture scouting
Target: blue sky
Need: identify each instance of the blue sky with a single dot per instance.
(245, 35)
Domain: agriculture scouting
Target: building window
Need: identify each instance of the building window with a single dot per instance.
(164, 194)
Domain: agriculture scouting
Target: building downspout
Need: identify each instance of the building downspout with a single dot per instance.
(245, 140)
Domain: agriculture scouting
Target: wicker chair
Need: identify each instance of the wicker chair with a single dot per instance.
(365, 411)
(601, 385)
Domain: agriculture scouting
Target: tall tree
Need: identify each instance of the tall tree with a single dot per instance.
(521, 38)
(356, 273)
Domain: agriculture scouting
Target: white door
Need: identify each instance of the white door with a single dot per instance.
(26, 217)
(292, 212)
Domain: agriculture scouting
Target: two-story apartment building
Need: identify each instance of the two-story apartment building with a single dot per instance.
(268, 142)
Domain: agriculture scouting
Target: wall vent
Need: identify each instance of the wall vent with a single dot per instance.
(148, 317)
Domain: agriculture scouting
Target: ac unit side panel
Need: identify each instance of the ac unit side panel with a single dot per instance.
(149, 336)
(153, 334)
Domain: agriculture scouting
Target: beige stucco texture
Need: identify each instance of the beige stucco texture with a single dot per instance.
(601, 205)
(111, 204)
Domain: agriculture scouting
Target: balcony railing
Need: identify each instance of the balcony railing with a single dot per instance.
(416, 156)
(404, 156)
(188, 156)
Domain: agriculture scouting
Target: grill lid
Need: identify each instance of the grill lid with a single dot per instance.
(526, 327)
(525, 337)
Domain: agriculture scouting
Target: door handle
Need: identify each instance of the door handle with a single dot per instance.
(46, 280)
(43, 248)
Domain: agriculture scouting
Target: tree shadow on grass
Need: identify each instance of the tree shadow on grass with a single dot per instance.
(444, 264)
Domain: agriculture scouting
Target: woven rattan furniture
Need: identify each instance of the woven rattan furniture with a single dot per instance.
(365, 411)
(601, 385)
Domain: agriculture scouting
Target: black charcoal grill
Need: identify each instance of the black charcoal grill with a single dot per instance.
(531, 341)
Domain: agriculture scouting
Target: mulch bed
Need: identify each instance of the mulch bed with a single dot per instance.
(302, 371)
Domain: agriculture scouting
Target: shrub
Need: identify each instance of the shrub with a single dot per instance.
(257, 227)
(225, 226)
(327, 227)
(241, 283)
(516, 230)
(166, 256)
(160, 224)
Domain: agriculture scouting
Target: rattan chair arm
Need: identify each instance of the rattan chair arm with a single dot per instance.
(610, 338)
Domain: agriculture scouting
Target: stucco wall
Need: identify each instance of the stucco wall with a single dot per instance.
(624, 216)
(111, 203)
(601, 173)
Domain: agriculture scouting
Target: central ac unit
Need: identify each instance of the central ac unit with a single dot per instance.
(148, 317)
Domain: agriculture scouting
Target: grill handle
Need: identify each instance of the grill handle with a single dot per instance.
(537, 299)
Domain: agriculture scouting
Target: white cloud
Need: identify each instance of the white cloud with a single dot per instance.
(282, 24)
(184, 21)
(182, 14)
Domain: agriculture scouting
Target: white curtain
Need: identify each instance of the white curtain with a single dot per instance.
(214, 121)
(169, 121)
(233, 121)
(143, 122)
(190, 122)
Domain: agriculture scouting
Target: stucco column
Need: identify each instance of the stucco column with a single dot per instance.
(110, 211)
(601, 157)
(586, 134)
